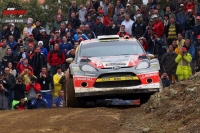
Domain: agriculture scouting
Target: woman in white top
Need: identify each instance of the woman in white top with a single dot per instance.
(12, 70)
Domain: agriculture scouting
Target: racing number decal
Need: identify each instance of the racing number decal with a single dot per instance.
(96, 63)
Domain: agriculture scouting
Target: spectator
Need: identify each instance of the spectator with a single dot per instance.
(32, 88)
(138, 27)
(56, 25)
(172, 30)
(11, 43)
(80, 36)
(197, 66)
(189, 5)
(43, 50)
(89, 21)
(21, 54)
(95, 4)
(94, 14)
(181, 17)
(9, 57)
(180, 42)
(12, 69)
(104, 19)
(3, 97)
(191, 50)
(31, 40)
(117, 8)
(63, 18)
(65, 46)
(45, 39)
(3, 51)
(23, 64)
(183, 70)
(69, 38)
(196, 29)
(31, 50)
(133, 6)
(174, 45)
(122, 12)
(99, 28)
(128, 24)
(55, 39)
(75, 21)
(29, 27)
(82, 13)
(88, 32)
(36, 30)
(56, 79)
(71, 30)
(44, 79)
(158, 27)
(118, 20)
(59, 101)
(88, 5)
(168, 12)
(9, 81)
(108, 9)
(197, 44)
(19, 91)
(168, 63)
(150, 14)
(74, 9)
(144, 43)
(165, 80)
(122, 31)
(26, 76)
(112, 29)
(70, 54)
(19, 44)
(2, 34)
(14, 32)
(63, 29)
(160, 11)
(39, 102)
(189, 24)
(55, 58)
(38, 61)
(129, 11)
(22, 105)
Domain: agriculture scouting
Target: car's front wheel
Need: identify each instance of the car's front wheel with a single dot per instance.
(71, 100)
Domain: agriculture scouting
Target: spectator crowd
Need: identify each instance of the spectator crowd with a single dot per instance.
(33, 63)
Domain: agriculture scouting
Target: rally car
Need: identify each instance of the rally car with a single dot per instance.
(110, 66)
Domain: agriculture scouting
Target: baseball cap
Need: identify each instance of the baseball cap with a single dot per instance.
(138, 15)
(12, 24)
(118, 14)
(100, 11)
(189, 10)
(128, 5)
(40, 42)
(42, 30)
(151, 7)
(31, 44)
(38, 20)
(184, 49)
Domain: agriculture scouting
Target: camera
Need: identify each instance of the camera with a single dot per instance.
(32, 82)
(21, 41)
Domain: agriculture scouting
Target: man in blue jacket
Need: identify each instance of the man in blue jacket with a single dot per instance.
(191, 50)
(39, 102)
(60, 100)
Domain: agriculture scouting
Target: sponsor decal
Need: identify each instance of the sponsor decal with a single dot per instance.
(117, 79)
(14, 9)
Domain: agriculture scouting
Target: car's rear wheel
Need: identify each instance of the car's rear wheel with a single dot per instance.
(71, 100)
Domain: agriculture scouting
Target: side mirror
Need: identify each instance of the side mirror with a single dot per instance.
(69, 60)
(150, 56)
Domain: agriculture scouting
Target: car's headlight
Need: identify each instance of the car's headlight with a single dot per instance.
(88, 68)
(142, 65)
(155, 66)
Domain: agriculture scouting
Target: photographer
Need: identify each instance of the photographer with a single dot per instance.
(19, 91)
(39, 102)
(165, 80)
(26, 76)
(122, 31)
(19, 44)
(32, 88)
(3, 96)
(155, 46)
(44, 79)
(183, 70)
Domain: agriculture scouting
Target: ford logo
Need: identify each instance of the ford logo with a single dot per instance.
(116, 67)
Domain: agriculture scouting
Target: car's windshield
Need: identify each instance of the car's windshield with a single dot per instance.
(112, 48)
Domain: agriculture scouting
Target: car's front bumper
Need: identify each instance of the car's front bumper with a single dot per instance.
(92, 91)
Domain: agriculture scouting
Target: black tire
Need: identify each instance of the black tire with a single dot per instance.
(144, 98)
(71, 100)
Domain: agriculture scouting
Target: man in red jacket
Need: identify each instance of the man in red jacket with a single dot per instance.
(105, 19)
(23, 64)
(55, 58)
(158, 27)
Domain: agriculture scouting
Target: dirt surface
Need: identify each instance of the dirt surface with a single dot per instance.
(175, 110)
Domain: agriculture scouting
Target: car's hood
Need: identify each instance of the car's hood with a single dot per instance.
(112, 61)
